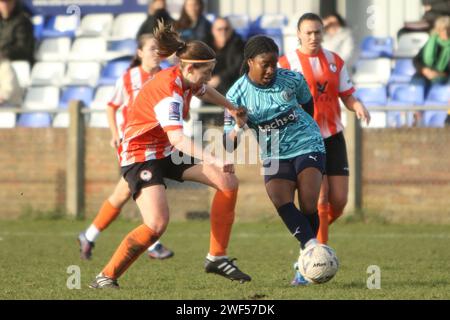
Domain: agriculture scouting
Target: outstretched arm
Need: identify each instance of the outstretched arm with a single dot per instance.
(211, 95)
(187, 146)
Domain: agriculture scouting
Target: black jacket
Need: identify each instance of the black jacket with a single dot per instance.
(229, 61)
(152, 21)
(201, 31)
(16, 36)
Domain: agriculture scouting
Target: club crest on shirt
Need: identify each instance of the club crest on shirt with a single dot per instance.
(333, 67)
(145, 175)
(174, 111)
(287, 95)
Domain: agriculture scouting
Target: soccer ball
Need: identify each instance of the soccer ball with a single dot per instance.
(318, 263)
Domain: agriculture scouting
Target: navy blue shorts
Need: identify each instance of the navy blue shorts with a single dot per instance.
(288, 169)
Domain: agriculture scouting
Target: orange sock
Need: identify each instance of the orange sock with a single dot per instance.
(333, 215)
(322, 234)
(222, 218)
(134, 244)
(105, 216)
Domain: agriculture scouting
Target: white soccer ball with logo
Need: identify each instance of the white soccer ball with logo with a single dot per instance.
(318, 263)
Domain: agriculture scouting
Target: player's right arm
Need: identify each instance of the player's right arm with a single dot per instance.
(232, 130)
(235, 121)
(118, 99)
(112, 123)
(303, 94)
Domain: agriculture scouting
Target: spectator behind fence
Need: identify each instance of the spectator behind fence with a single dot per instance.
(339, 38)
(192, 24)
(10, 91)
(156, 11)
(16, 32)
(229, 48)
(432, 61)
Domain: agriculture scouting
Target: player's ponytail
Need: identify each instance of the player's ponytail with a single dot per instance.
(169, 42)
(137, 61)
(255, 46)
(168, 39)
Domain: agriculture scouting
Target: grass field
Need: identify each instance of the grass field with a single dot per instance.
(414, 262)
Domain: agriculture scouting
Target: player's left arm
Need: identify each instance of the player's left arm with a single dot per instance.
(353, 104)
(346, 90)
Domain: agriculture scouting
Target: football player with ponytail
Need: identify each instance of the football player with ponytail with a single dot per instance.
(150, 150)
(145, 65)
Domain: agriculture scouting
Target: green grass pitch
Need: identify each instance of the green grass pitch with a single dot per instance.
(414, 261)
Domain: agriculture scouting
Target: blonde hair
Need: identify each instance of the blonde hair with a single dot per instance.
(442, 23)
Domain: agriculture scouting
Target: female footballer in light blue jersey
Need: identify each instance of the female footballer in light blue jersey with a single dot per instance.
(275, 101)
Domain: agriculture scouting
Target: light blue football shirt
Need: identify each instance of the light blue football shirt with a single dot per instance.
(275, 115)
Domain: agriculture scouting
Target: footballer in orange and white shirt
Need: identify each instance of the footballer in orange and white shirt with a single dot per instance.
(153, 129)
(161, 106)
(144, 65)
(125, 92)
(327, 79)
(329, 82)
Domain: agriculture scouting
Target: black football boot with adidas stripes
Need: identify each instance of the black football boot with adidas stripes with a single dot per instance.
(226, 268)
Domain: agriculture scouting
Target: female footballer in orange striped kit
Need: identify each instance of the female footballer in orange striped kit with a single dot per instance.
(148, 153)
(328, 82)
(144, 66)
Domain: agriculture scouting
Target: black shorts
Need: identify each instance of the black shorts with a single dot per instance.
(337, 162)
(288, 169)
(153, 172)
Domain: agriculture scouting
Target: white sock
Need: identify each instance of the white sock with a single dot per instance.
(92, 233)
(215, 258)
(311, 242)
(152, 247)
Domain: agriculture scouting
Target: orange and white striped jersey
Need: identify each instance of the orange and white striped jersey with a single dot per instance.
(327, 80)
(125, 92)
(160, 107)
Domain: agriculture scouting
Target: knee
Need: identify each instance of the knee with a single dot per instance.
(158, 225)
(338, 204)
(323, 199)
(228, 182)
(278, 201)
(309, 208)
(119, 198)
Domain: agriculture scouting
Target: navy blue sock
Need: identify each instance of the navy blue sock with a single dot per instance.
(313, 222)
(296, 222)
